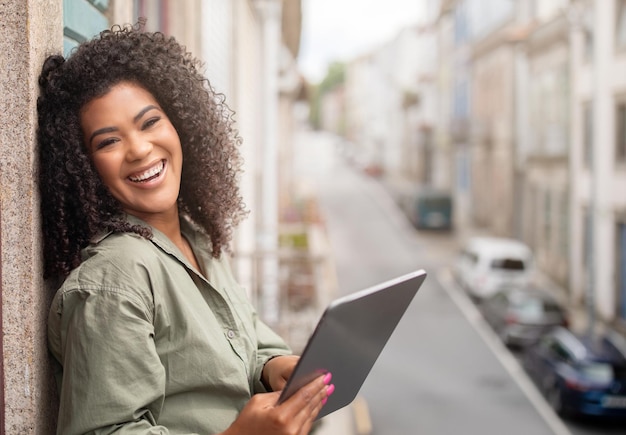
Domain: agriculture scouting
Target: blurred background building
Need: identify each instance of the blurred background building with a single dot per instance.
(516, 108)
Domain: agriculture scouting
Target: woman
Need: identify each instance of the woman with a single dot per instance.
(138, 180)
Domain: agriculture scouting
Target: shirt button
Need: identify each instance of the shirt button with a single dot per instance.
(230, 333)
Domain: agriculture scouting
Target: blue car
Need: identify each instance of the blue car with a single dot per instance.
(580, 375)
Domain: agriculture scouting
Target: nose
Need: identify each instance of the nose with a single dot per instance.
(137, 148)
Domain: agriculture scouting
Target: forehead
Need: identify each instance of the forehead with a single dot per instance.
(122, 100)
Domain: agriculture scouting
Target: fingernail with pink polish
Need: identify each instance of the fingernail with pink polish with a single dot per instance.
(324, 400)
(327, 378)
(330, 390)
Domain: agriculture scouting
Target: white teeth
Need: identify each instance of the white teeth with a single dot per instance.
(149, 173)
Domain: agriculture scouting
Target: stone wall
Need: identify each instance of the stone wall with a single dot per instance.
(27, 28)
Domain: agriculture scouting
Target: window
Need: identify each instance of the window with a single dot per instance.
(461, 98)
(550, 307)
(508, 264)
(620, 136)
(620, 266)
(564, 226)
(588, 135)
(529, 310)
(469, 256)
(501, 298)
(560, 352)
(82, 20)
(547, 219)
(620, 25)
(155, 13)
(587, 239)
(588, 33)
(460, 23)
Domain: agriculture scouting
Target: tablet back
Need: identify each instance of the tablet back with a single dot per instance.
(350, 336)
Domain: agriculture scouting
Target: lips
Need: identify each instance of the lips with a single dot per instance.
(149, 174)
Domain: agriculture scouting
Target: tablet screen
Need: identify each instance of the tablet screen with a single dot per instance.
(350, 336)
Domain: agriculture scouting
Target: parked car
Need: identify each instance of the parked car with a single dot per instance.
(521, 315)
(580, 374)
(432, 210)
(485, 264)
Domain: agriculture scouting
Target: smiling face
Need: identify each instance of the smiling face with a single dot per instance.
(136, 151)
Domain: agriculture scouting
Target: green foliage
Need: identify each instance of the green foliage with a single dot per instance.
(298, 240)
(335, 76)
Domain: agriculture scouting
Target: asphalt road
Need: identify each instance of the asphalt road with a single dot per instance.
(438, 374)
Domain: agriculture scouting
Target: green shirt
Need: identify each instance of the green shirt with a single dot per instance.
(149, 346)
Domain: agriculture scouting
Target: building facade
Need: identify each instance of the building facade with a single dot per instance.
(545, 137)
(526, 126)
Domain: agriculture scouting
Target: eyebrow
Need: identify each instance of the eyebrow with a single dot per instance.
(143, 112)
(102, 131)
(136, 118)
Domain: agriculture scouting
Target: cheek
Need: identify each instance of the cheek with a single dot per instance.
(177, 153)
(107, 167)
(176, 148)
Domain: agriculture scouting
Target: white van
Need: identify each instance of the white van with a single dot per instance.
(486, 263)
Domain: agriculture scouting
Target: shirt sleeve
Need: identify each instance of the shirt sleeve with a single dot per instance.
(112, 380)
(269, 344)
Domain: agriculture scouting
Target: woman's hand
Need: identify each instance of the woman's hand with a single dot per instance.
(263, 416)
(277, 370)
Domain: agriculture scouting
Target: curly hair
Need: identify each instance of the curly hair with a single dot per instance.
(75, 204)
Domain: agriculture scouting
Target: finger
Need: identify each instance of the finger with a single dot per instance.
(297, 410)
(308, 414)
(293, 361)
(306, 394)
(287, 369)
(280, 384)
(316, 406)
(327, 392)
(312, 399)
(278, 369)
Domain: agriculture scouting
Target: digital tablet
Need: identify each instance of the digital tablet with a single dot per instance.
(350, 336)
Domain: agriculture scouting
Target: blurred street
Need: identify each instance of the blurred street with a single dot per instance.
(442, 372)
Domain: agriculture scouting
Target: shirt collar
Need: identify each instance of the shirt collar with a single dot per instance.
(187, 228)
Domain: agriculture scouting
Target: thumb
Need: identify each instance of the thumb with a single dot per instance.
(280, 384)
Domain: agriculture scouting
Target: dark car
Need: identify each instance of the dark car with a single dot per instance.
(580, 374)
(521, 315)
(432, 210)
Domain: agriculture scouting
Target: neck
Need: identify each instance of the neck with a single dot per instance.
(168, 223)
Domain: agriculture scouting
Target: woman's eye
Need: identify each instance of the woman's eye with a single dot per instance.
(150, 122)
(105, 143)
